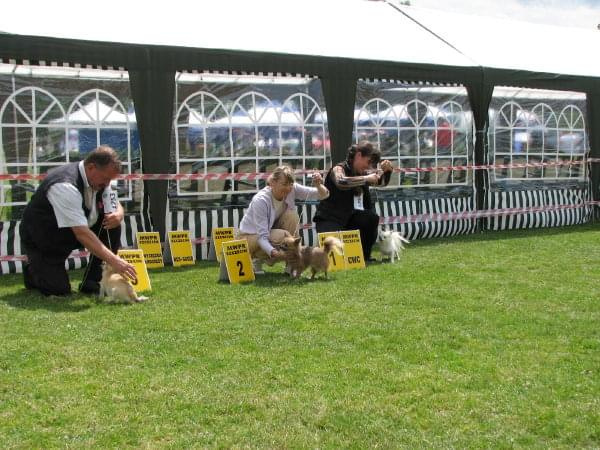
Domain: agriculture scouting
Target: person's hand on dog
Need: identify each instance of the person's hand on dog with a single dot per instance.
(386, 166)
(277, 254)
(124, 268)
(112, 220)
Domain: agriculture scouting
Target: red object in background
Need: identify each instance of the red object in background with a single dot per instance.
(444, 135)
(317, 143)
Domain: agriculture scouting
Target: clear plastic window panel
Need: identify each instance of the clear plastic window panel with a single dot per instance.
(537, 135)
(243, 125)
(50, 116)
(417, 127)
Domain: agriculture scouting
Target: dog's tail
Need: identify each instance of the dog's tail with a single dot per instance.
(403, 239)
(331, 243)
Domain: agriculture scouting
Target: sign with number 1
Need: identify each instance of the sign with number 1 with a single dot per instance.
(336, 260)
(237, 260)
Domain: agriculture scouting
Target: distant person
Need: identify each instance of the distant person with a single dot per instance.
(67, 212)
(272, 216)
(349, 205)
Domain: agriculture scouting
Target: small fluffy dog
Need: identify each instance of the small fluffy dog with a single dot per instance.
(299, 257)
(116, 286)
(391, 244)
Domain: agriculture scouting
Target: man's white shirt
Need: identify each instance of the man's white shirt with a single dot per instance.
(66, 202)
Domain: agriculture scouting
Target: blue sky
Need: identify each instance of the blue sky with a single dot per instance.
(570, 13)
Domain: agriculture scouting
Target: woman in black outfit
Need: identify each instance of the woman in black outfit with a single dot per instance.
(349, 205)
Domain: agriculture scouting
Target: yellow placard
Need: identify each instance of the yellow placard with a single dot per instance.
(136, 259)
(149, 242)
(336, 261)
(220, 235)
(181, 248)
(353, 253)
(237, 260)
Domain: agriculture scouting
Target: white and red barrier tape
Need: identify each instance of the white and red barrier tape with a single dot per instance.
(75, 254)
(416, 218)
(250, 176)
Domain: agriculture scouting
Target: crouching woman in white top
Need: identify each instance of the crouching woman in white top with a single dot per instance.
(272, 216)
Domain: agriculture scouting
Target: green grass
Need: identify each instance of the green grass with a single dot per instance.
(489, 340)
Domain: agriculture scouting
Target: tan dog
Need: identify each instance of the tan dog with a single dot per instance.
(300, 258)
(116, 286)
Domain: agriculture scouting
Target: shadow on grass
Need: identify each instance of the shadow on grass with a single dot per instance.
(75, 302)
(270, 279)
(32, 300)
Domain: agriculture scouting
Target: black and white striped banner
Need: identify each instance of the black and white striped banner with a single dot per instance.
(10, 244)
(541, 198)
(429, 229)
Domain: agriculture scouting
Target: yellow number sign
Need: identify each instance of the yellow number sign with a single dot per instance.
(181, 248)
(336, 261)
(220, 235)
(136, 259)
(149, 242)
(353, 253)
(237, 260)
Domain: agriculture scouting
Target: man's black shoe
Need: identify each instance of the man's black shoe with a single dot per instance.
(27, 277)
(90, 287)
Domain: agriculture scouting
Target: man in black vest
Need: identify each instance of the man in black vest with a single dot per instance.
(67, 212)
(349, 205)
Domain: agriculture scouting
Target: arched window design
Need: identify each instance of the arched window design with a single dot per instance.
(32, 140)
(377, 122)
(543, 145)
(529, 136)
(254, 131)
(513, 128)
(202, 143)
(244, 124)
(418, 146)
(96, 117)
(255, 135)
(452, 142)
(417, 134)
(572, 140)
(303, 135)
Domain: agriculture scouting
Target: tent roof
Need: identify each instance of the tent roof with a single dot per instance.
(317, 37)
(357, 29)
(514, 44)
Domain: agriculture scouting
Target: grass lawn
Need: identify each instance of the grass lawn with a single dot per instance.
(489, 340)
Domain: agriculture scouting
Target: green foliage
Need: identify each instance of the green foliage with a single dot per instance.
(483, 341)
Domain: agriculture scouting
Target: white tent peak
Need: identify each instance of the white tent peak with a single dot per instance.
(96, 111)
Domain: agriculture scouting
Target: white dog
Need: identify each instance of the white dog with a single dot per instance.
(391, 244)
(116, 286)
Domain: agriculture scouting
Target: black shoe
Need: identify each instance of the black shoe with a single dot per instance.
(90, 287)
(27, 277)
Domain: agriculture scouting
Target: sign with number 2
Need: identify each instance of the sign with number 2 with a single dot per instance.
(237, 260)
